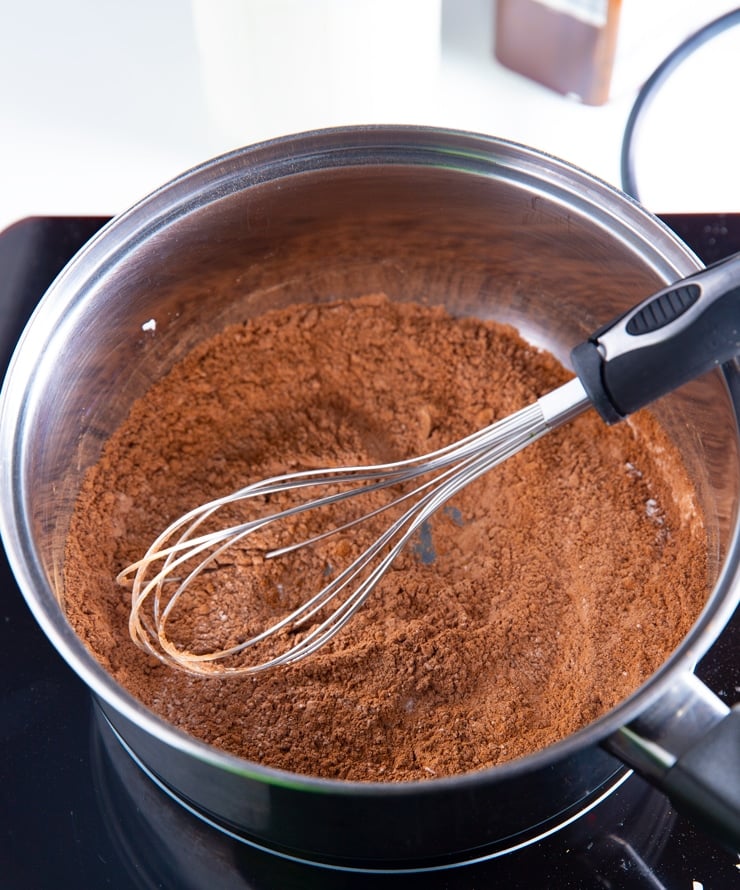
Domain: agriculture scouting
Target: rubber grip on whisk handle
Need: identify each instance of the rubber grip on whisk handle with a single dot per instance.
(674, 336)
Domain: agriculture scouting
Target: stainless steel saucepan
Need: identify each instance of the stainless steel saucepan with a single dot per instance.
(484, 227)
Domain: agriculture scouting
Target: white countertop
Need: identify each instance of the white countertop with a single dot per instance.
(100, 102)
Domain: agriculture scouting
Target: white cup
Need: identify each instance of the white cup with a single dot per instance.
(272, 67)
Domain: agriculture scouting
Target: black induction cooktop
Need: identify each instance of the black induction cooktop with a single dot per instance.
(76, 811)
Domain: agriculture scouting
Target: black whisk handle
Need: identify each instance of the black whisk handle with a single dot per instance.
(672, 337)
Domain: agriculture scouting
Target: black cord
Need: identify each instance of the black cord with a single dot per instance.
(654, 83)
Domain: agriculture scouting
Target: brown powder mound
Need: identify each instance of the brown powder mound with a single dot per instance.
(561, 579)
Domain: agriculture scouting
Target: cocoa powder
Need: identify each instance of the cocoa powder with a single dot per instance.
(559, 581)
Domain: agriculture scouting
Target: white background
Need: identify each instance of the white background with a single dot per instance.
(102, 101)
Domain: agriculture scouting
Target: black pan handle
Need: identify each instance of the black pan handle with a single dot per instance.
(704, 782)
(670, 338)
(687, 743)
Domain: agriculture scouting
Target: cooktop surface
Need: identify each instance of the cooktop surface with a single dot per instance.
(78, 812)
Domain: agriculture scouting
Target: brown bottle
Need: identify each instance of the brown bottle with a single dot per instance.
(567, 45)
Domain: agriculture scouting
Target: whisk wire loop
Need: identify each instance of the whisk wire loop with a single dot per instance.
(448, 470)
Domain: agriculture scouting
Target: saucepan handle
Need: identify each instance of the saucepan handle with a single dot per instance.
(688, 745)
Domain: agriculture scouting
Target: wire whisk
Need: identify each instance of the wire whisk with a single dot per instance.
(163, 575)
(668, 339)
